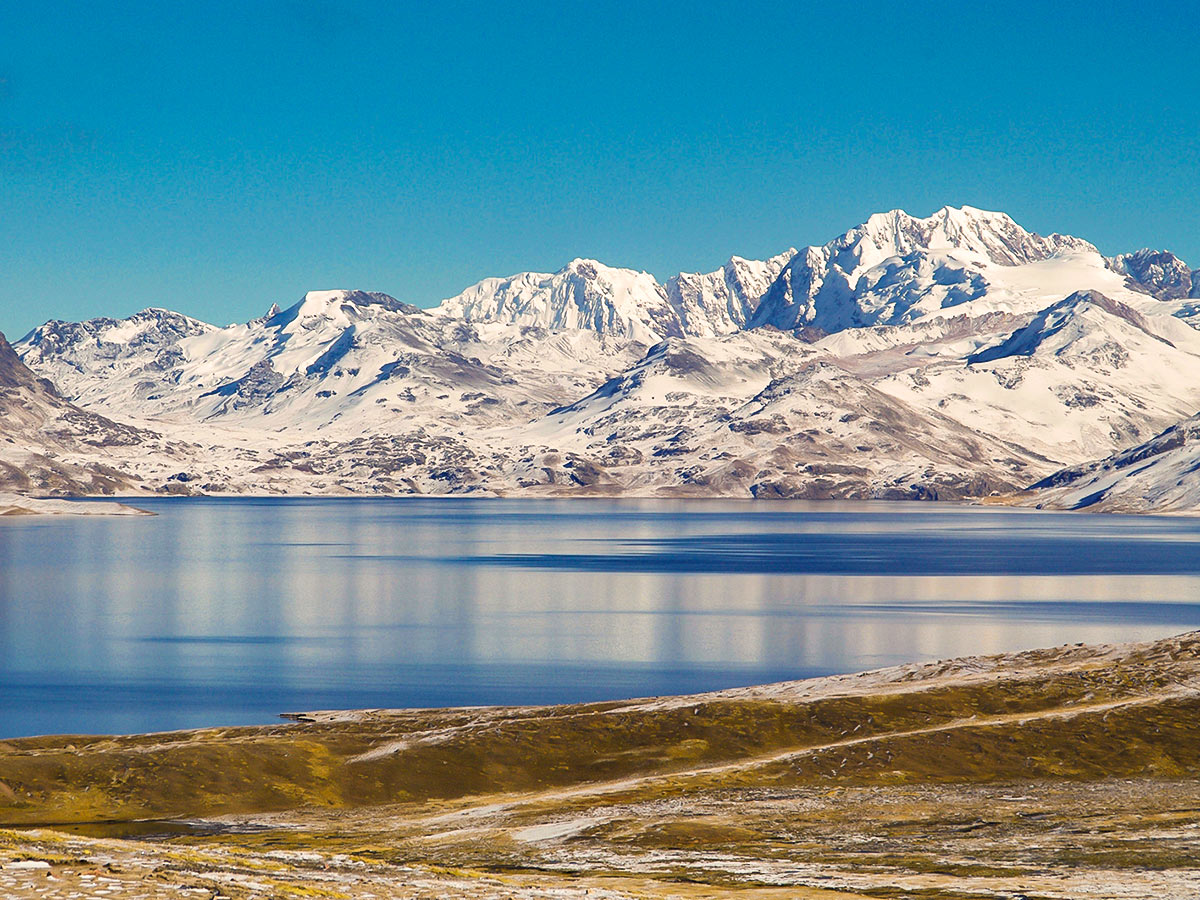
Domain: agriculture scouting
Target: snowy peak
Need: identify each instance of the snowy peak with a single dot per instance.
(971, 355)
(723, 301)
(341, 307)
(624, 303)
(991, 235)
(590, 269)
(583, 294)
(1159, 273)
(895, 268)
(87, 360)
(150, 327)
(148, 340)
(1077, 318)
(159, 362)
(928, 264)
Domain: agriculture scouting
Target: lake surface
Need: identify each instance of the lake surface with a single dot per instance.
(222, 612)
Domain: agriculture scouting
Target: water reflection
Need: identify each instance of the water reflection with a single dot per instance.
(226, 612)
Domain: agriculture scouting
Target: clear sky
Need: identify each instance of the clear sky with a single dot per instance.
(216, 157)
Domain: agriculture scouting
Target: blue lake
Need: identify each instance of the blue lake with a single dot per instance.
(222, 612)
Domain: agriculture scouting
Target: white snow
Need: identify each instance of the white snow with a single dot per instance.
(553, 831)
(937, 354)
(583, 294)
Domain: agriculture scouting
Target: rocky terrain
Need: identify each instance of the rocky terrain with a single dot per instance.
(1061, 773)
(51, 446)
(955, 356)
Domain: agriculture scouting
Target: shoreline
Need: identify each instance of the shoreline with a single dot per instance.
(1015, 502)
(22, 505)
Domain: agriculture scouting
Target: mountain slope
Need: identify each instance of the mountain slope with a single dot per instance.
(1085, 376)
(51, 447)
(1160, 475)
(763, 416)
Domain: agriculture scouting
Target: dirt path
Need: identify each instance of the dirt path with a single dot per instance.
(495, 806)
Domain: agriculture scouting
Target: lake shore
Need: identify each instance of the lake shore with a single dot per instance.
(21, 505)
(1067, 772)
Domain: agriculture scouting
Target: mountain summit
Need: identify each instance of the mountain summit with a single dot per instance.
(992, 235)
(582, 294)
(892, 268)
(895, 268)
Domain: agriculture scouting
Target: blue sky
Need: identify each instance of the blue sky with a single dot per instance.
(217, 157)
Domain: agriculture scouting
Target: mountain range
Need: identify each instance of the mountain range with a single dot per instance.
(952, 356)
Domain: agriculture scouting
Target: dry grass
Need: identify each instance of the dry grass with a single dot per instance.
(996, 775)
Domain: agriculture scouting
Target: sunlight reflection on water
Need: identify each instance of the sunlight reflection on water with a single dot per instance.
(230, 611)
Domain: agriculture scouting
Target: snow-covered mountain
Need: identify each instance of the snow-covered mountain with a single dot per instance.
(1086, 374)
(757, 414)
(583, 294)
(955, 355)
(336, 367)
(723, 301)
(116, 362)
(586, 294)
(1160, 273)
(331, 355)
(895, 268)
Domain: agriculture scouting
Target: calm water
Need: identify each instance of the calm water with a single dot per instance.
(221, 612)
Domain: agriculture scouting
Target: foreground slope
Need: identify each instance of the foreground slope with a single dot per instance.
(1062, 773)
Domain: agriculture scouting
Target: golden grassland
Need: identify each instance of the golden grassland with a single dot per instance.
(1068, 772)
